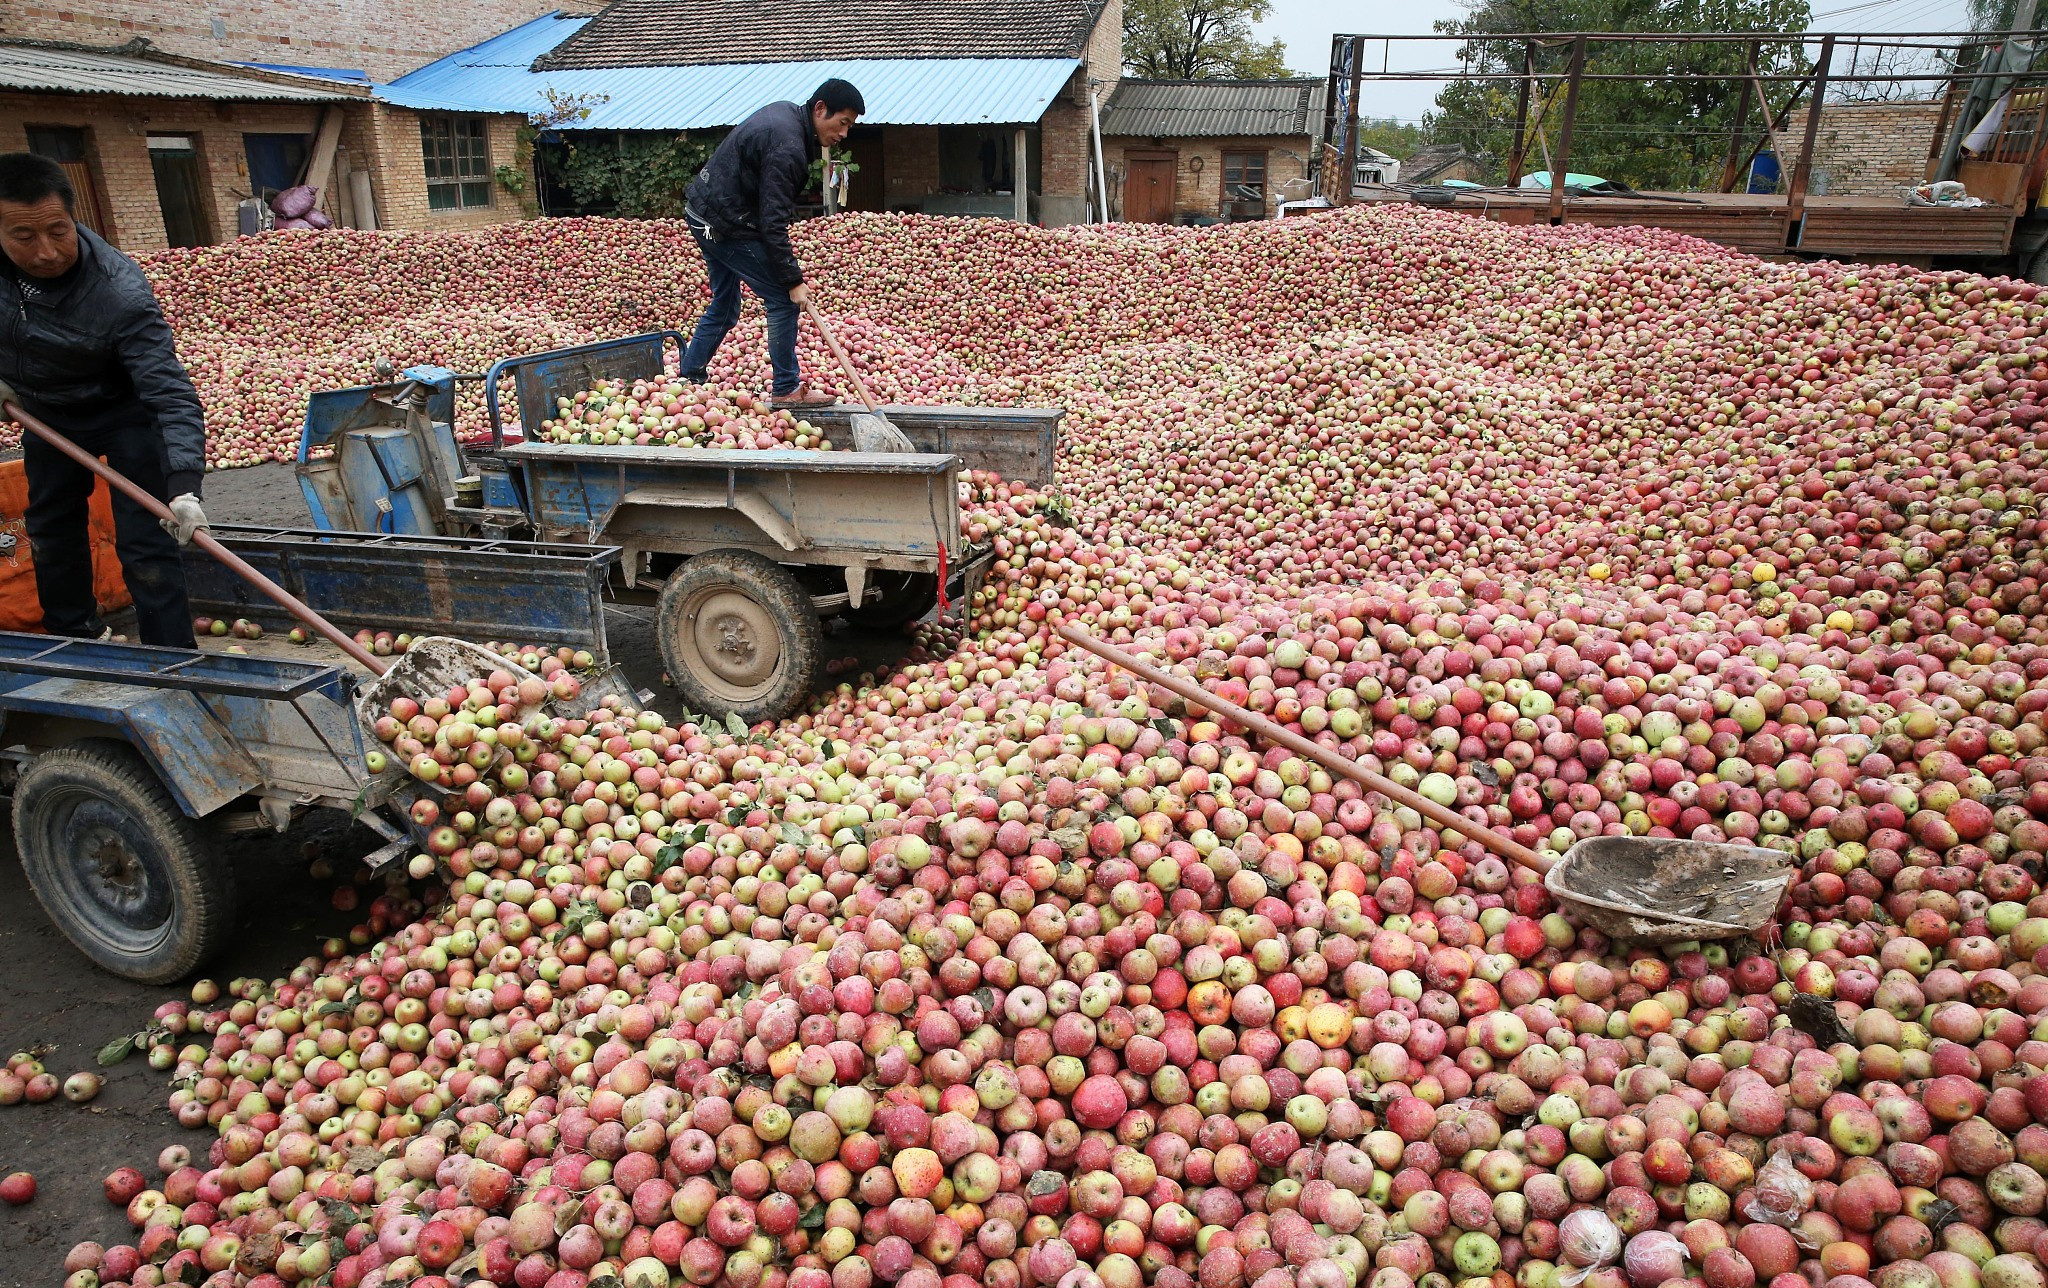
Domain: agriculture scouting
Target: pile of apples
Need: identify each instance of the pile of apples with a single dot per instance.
(1009, 970)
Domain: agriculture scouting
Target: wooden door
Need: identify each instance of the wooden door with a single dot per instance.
(866, 190)
(1148, 189)
(179, 191)
(66, 145)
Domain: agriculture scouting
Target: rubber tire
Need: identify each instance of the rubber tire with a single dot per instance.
(776, 590)
(901, 602)
(118, 788)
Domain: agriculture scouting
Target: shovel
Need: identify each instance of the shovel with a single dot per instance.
(872, 431)
(1654, 891)
(431, 666)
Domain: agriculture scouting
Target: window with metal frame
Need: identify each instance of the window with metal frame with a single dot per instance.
(1244, 176)
(458, 162)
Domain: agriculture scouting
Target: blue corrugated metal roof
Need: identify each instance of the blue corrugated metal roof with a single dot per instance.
(496, 77)
(353, 75)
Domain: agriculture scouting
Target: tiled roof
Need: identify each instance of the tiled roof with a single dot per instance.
(1191, 109)
(671, 33)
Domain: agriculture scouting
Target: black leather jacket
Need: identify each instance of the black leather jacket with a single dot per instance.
(747, 191)
(95, 354)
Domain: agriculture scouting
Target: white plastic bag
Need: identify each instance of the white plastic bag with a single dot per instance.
(1587, 1240)
(1782, 1193)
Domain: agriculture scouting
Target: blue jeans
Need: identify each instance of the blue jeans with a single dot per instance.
(731, 263)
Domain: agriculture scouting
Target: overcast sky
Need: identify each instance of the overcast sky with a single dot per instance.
(1306, 26)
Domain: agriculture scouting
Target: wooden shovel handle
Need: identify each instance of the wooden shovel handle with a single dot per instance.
(845, 364)
(1506, 847)
(203, 539)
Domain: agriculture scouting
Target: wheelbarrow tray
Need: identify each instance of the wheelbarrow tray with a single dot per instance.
(1669, 891)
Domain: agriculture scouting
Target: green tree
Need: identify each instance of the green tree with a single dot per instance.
(1649, 131)
(1395, 138)
(1199, 40)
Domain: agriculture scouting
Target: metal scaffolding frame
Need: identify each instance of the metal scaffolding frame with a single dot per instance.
(1338, 150)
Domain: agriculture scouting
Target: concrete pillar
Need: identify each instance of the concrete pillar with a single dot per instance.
(1023, 180)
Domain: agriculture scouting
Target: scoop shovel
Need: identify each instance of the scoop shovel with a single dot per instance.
(1650, 890)
(872, 431)
(430, 667)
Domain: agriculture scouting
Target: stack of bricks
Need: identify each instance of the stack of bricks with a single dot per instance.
(1865, 149)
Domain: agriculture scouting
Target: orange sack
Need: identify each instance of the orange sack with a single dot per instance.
(19, 608)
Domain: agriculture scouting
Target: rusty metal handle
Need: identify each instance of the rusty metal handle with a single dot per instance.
(1506, 847)
(203, 539)
(859, 386)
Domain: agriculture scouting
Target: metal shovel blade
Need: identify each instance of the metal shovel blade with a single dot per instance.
(877, 433)
(1660, 891)
(430, 668)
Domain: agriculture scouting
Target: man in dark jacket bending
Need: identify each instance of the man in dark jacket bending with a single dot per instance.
(739, 210)
(84, 348)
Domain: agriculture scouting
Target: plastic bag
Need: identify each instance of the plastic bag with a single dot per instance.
(1782, 1193)
(293, 203)
(1652, 1257)
(1587, 1240)
(1946, 193)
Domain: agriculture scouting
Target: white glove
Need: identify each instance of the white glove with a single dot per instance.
(186, 518)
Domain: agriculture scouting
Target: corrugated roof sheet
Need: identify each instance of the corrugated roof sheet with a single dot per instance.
(353, 75)
(494, 77)
(684, 33)
(1194, 109)
(44, 69)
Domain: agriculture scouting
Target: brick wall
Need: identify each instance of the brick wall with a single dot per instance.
(383, 140)
(1066, 153)
(1200, 191)
(117, 133)
(387, 38)
(387, 143)
(1066, 138)
(910, 164)
(1865, 149)
(1105, 53)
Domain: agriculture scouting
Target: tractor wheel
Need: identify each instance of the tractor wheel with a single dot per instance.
(740, 636)
(130, 880)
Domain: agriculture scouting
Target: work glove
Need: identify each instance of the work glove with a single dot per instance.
(186, 518)
(7, 395)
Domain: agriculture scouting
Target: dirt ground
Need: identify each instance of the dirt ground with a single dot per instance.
(60, 1001)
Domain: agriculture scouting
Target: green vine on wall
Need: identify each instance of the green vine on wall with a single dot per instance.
(562, 109)
(638, 176)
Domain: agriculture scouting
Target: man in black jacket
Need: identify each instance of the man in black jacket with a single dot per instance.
(739, 209)
(84, 348)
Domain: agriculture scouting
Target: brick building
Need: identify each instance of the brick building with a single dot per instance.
(1443, 163)
(384, 38)
(963, 96)
(163, 148)
(1214, 149)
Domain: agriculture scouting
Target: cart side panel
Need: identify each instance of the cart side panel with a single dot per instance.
(529, 593)
(886, 511)
(542, 378)
(198, 758)
(308, 749)
(1017, 443)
